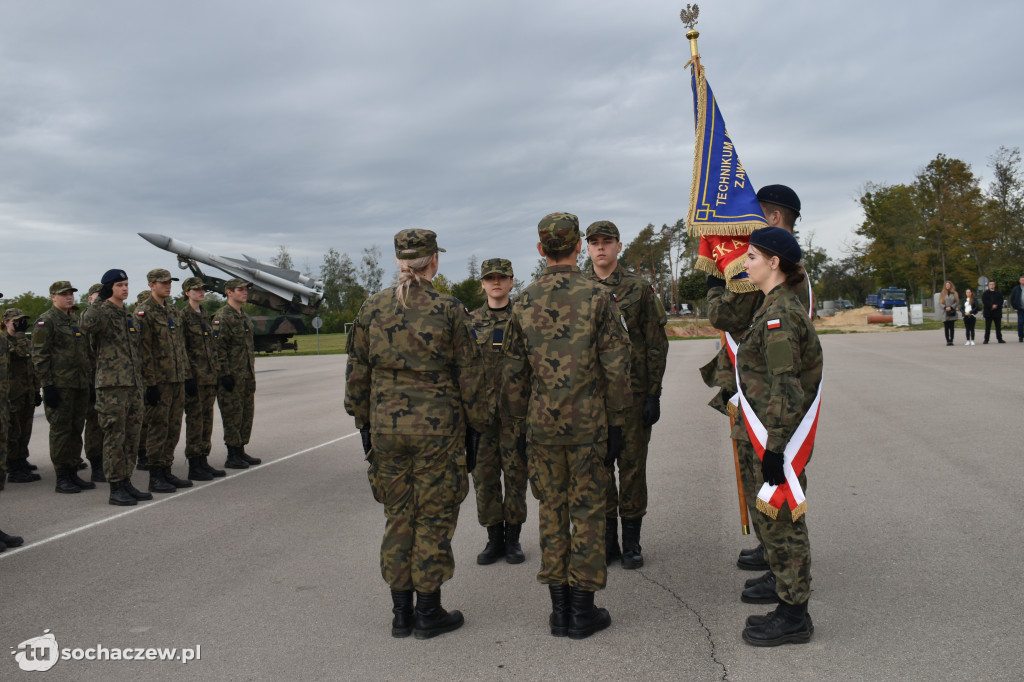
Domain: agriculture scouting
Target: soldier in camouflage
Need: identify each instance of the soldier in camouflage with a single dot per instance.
(502, 516)
(165, 367)
(60, 352)
(142, 461)
(201, 381)
(779, 362)
(414, 384)
(115, 337)
(236, 360)
(93, 433)
(566, 388)
(24, 396)
(5, 539)
(646, 319)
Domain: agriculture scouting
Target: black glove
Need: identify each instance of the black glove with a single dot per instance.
(39, 399)
(152, 395)
(472, 446)
(521, 443)
(364, 434)
(615, 445)
(92, 395)
(771, 468)
(51, 396)
(652, 410)
(191, 388)
(21, 325)
(715, 282)
(227, 382)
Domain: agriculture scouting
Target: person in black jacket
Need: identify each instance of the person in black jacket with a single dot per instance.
(992, 305)
(1017, 303)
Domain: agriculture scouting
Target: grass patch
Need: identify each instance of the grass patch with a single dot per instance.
(330, 344)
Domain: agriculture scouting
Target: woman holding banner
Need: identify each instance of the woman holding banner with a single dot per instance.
(778, 374)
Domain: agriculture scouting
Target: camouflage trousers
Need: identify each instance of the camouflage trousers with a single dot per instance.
(497, 455)
(93, 437)
(19, 430)
(629, 500)
(199, 421)
(421, 481)
(163, 424)
(67, 421)
(750, 477)
(786, 542)
(236, 411)
(3, 445)
(571, 483)
(120, 410)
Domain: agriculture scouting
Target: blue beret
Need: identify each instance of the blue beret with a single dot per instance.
(115, 275)
(777, 241)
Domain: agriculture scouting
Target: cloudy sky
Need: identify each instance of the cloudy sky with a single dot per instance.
(242, 125)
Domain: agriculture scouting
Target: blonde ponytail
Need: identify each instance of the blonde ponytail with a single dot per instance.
(410, 272)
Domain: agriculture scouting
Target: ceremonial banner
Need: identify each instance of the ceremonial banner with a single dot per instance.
(723, 204)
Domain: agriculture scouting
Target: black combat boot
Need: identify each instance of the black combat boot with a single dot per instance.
(585, 619)
(157, 484)
(10, 540)
(754, 561)
(18, 472)
(750, 550)
(513, 550)
(64, 482)
(789, 623)
(30, 465)
(174, 480)
(73, 477)
(750, 582)
(495, 548)
(234, 461)
(120, 497)
(611, 540)
(401, 624)
(81, 466)
(135, 492)
(196, 470)
(431, 618)
(244, 456)
(142, 462)
(215, 473)
(762, 592)
(559, 619)
(96, 475)
(631, 556)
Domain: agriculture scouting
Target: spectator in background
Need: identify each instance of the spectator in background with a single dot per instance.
(969, 308)
(1017, 301)
(949, 300)
(992, 305)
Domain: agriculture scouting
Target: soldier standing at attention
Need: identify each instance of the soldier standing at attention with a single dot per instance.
(779, 367)
(414, 379)
(646, 319)
(93, 432)
(567, 390)
(23, 396)
(5, 539)
(201, 382)
(60, 351)
(236, 359)
(503, 518)
(115, 337)
(164, 370)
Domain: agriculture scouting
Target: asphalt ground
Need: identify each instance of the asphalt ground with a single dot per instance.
(913, 510)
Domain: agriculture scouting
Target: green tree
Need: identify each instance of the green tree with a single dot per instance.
(1004, 208)
(29, 303)
(371, 272)
(693, 288)
(343, 295)
(469, 293)
(442, 283)
(646, 256)
(891, 229)
(283, 259)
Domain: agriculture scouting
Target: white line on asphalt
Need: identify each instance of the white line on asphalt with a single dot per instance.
(166, 498)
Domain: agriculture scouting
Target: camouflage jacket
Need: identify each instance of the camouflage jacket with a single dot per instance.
(163, 343)
(117, 345)
(5, 403)
(646, 320)
(415, 370)
(21, 372)
(567, 372)
(60, 351)
(780, 364)
(200, 346)
(236, 352)
(489, 333)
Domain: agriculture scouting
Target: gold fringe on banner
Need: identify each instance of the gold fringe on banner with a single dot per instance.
(734, 230)
(740, 286)
(705, 264)
(698, 147)
(767, 509)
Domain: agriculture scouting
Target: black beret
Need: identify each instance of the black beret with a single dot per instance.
(779, 195)
(778, 241)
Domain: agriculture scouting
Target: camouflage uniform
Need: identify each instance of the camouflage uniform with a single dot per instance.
(164, 365)
(5, 364)
(566, 382)
(497, 453)
(93, 433)
(414, 378)
(60, 351)
(236, 356)
(116, 341)
(202, 358)
(780, 369)
(23, 390)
